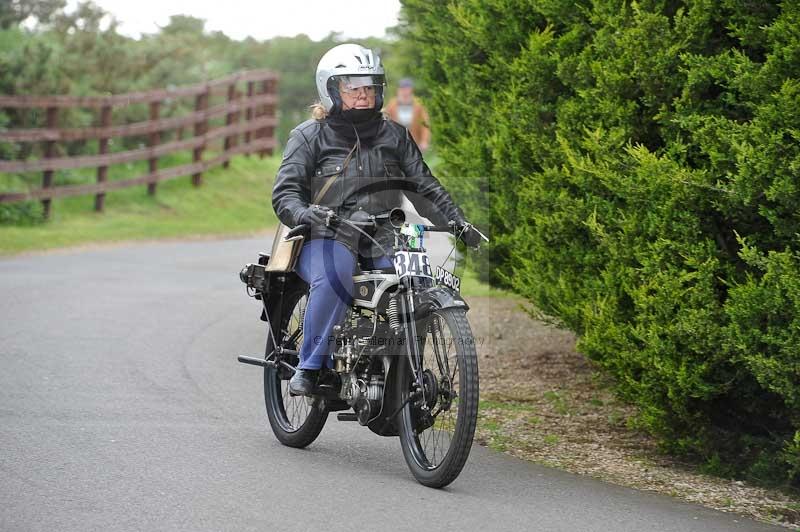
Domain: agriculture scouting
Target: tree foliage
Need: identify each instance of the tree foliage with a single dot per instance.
(13, 12)
(81, 52)
(637, 163)
(47, 49)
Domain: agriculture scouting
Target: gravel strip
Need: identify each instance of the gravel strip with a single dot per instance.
(544, 402)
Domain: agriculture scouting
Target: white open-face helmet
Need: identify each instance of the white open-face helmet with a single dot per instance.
(356, 66)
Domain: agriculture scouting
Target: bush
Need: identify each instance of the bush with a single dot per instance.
(24, 213)
(636, 163)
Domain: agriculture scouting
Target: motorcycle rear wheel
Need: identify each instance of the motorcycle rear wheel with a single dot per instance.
(437, 446)
(295, 420)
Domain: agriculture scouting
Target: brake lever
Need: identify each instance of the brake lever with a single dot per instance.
(470, 226)
(486, 238)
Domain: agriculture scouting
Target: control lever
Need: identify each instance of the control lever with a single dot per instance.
(297, 230)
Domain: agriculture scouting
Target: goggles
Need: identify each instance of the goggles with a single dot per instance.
(352, 84)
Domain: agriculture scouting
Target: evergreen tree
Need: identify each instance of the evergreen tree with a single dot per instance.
(636, 162)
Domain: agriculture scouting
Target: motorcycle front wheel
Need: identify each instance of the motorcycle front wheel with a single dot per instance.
(438, 424)
(295, 420)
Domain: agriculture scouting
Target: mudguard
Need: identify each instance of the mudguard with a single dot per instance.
(275, 286)
(437, 298)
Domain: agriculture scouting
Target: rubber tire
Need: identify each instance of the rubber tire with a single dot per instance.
(449, 469)
(273, 395)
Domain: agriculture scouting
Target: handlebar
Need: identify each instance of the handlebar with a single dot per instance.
(372, 223)
(426, 228)
(438, 228)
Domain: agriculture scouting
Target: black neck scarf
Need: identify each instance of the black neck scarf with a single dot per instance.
(357, 124)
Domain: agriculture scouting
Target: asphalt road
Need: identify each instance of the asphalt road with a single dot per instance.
(122, 407)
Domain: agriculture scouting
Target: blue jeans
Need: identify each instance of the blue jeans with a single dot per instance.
(328, 267)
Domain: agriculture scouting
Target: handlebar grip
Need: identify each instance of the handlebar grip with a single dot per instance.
(439, 228)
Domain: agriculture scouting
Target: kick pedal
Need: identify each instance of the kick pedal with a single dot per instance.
(347, 416)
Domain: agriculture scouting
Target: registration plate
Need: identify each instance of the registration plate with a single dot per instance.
(413, 263)
(445, 278)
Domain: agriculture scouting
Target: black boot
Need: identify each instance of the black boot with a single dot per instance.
(303, 382)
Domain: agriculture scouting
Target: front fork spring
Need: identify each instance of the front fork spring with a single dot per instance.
(392, 314)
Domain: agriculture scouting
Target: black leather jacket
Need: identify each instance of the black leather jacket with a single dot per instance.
(374, 181)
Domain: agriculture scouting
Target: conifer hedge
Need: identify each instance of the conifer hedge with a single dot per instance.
(638, 165)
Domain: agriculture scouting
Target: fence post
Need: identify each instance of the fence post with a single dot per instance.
(200, 128)
(102, 171)
(228, 122)
(154, 140)
(269, 131)
(249, 113)
(49, 152)
(263, 111)
(237, 117)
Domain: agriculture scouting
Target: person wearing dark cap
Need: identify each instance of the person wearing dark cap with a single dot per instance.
(407, 111)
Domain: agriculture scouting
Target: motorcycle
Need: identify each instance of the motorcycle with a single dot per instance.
(404, 359)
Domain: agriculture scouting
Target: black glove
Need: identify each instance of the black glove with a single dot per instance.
(467, 234)
(313, 215)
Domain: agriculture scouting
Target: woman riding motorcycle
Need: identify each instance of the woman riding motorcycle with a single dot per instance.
(352, 160)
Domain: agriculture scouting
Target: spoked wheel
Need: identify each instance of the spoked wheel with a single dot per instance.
(295, 420)
(437, 425)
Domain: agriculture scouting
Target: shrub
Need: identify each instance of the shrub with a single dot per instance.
(23, 213)
(636, 164)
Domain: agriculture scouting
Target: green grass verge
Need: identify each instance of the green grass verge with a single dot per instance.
(472, 287)
(233, 201)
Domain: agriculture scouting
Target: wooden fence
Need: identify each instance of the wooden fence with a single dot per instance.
(247, 103)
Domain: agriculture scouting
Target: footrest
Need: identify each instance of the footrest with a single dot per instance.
(347, 416)
(254, 361)
(335, 405)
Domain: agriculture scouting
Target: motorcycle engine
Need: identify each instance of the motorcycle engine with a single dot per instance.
(360, 370)
(364, 393)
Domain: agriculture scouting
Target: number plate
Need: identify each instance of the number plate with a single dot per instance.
(414, 263)
(445, 278)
